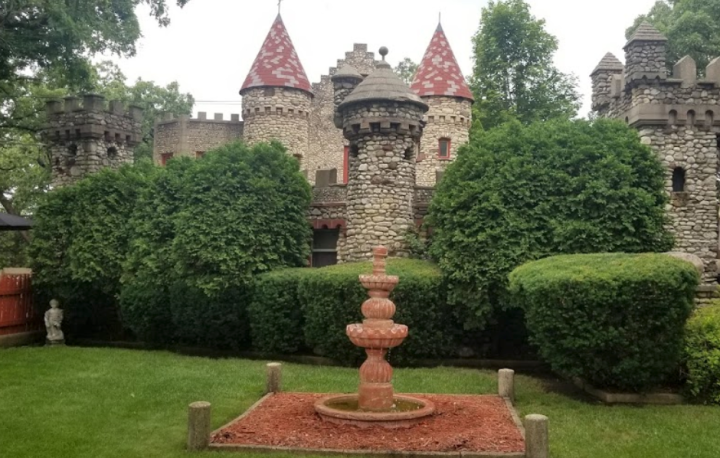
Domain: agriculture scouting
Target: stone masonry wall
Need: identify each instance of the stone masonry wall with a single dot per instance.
(448, 117)
(678, 118)
(645, 58)
(85, 137)
(187, 137)
(326, 141)
(381, 182)
(281, 114)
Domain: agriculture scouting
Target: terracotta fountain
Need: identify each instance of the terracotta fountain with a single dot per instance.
(376, 403)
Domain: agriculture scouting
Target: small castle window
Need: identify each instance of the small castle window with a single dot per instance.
(268, 110)
(354, 151)
(672, 117)
(444, 148)
(73, 149)
(165, 157)
(324, 247)
(408, 155)
(346, 163)
(279, 111)
(269, 92)
(678, 180)
(709, 118)
(691, 118)
(112, 151)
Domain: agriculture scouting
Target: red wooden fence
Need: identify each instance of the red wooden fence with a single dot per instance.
(17, 314)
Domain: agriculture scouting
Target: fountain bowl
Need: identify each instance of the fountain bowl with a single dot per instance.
(368, 337)
(343, 409)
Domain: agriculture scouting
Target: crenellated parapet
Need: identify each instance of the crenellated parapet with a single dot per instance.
(86, 134)
(678, 116)
(192, 137)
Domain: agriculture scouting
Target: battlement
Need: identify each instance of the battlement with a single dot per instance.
(92, 103)
(92, 117)
(276, 110)
(168, 118)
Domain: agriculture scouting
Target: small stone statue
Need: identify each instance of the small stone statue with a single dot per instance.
(53, 321)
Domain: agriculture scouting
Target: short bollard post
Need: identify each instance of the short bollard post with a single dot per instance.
(536, 436)
(506, 384)
(274, 378)
(198, 426)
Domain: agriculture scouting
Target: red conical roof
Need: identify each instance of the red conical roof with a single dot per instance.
(277, 63)
(439, 72)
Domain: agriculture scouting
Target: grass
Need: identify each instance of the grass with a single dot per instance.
(97, 403)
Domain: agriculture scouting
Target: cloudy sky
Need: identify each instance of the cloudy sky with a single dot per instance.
(211, 44)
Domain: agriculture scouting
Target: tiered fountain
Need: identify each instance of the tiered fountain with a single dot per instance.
(376, 403)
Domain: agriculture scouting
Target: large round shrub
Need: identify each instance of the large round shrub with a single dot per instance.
(80, 240)
(206, 228)
(701, 355)
(518, 193)
(614, 320)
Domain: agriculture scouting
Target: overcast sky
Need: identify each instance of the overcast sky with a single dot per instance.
(211, 44)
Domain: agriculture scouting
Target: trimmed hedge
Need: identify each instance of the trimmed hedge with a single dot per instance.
(702, 355)
(615, 320)
(312, 307)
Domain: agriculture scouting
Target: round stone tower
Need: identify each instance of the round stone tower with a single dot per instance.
(276, 95)
(382, 120)
(440, 84)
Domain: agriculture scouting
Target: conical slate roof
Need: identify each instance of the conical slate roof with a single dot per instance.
(646, 32)
(277, 64)
(609, 62)
(439, 72)
(383, 84)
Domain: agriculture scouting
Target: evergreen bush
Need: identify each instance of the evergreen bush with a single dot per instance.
(518, 193)
(614, 320)
(701, 358)
(80, 240)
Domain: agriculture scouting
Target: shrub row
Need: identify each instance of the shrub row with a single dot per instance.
(701, 355)
(614, 320)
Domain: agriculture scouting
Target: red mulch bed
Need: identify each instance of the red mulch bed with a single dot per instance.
(460, 424)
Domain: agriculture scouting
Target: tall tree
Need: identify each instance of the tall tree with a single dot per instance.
(514, 76)
(692, 28)
(406, 69)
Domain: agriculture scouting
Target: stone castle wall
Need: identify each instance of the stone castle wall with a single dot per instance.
(448, 117)
(381, 182)
(276, 113)
(86, 136)
(188, 137)
(679, 118)
(326, 141)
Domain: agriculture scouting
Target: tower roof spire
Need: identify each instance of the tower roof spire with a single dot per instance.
(277, 64)
(439, 73)
(646, 32)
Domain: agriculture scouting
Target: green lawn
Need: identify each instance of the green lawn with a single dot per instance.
(95, 403)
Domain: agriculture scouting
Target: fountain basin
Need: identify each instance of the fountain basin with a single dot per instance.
(344, 409)
(368, 337)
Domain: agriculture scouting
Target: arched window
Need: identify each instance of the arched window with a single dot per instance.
(672, 117)
(678, 180)
(444, 146)
(709, 118)
(691, 118)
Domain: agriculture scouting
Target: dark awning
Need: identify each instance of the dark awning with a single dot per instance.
(14, 223)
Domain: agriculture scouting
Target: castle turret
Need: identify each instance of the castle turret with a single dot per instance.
(606, 81)
(344, 82)
(86, 137)
(382, 119)
(440, 84)
(645, 54)
(277, 94)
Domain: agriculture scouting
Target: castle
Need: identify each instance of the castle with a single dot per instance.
(374, 148)
(678, 116)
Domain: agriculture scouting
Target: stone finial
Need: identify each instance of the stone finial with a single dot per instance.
(609, 63)
(712, 73)
(686, 70)
(53, 323)
(646, 32)
(384, 52)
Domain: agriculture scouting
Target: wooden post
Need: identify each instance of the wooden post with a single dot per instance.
(506, 384)
(198, 426)
(536, 436)
(274, 378)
